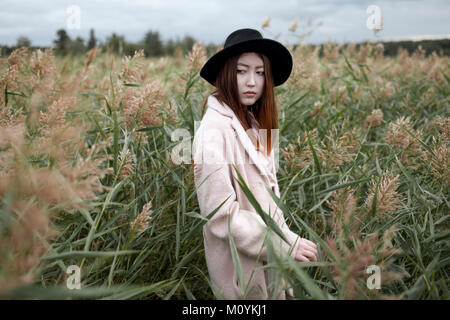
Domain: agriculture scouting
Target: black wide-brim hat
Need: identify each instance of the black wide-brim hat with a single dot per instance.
(250, 40)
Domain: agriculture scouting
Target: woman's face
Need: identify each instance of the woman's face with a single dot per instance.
(250, 77)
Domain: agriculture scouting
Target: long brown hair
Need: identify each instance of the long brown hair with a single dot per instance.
(264, 110)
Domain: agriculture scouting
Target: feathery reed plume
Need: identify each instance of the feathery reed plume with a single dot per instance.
(440, 162)
(266, 23)
(351, 262)
(55, 113)
(146, 107)
(374, 119)
(338, 94)
(408, 103)
(91, 55)
(294, 26)
(386, 253)
(126, 159)
(83, 179)
(42, 169)
(316, 109)
(33, 192)
(358, 93)
(11, 117)
(12, 141)
(350, 265)
(196, 58)
(443, 125)
(350, 253)
(331, 51)
(430, 96)
(158, 66)
(304, 73)
(387, 197)
(398, 136)
(299, 155)
(343, 206)
(379, 51)
(13, 76)
(59, 138)
(18, 56)
(141, 223)
(340, 145)
(28, 225)
(133, 68)
(350, 50)
(419, 53)
(437, 74)
(178, 57)
(385, 89)
(364, 51)
(44, 70)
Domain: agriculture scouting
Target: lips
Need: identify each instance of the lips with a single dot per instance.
(249, 93)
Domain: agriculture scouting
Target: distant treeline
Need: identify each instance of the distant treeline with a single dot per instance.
(154, 46)
(442, 47)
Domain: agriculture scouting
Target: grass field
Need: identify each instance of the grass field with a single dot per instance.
(86, 175)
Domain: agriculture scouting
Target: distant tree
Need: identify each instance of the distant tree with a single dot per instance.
(187, 43)
(169, 47)
(62, 43)
(77, 46)
(92, 40)
(129, 48)
(211, 48)
(153, 45)
(23, 41)
(115, 43)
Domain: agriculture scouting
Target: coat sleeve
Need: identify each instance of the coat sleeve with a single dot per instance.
(213, 177)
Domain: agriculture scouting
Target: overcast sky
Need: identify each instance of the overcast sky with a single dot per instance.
(212, 20)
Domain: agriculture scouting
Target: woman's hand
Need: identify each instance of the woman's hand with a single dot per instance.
(306, 251)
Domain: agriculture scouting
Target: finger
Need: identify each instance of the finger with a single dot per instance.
(302, 258)
(310, 243)
(310, 254)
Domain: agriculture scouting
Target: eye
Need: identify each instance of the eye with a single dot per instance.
(240, 70)
(261, 73)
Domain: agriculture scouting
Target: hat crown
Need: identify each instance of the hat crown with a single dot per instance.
(250, 40)
(242, 35)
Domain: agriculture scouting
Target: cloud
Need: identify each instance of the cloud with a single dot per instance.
(213, 20)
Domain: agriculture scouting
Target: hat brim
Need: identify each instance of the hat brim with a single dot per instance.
(279, 56)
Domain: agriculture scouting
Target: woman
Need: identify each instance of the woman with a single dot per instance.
(244, 73)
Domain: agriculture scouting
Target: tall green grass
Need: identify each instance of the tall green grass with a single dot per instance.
(317, 170)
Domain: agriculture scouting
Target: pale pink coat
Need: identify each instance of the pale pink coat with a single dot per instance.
(219, 137)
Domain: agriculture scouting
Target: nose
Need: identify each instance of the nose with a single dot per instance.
(251, 80)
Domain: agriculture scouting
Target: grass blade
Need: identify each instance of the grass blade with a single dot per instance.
(266, 218)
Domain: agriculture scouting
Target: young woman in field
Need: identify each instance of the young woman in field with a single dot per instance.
(231, 133)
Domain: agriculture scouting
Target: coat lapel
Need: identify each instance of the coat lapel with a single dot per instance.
(242, 136)
(249, 147)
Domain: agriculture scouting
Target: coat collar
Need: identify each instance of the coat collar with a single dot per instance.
(243, 138)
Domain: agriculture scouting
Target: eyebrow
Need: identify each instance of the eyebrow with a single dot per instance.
(245, 65)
